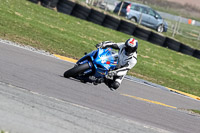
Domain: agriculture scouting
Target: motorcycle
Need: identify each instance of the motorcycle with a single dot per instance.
(94, 66)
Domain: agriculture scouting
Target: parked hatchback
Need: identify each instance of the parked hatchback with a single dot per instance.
(142, 14)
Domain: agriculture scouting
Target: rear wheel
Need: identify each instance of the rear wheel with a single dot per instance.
(75, 71)
(134, 20)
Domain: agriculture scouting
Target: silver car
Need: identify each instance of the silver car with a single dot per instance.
(144, 15)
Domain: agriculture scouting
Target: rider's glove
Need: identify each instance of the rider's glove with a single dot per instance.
(112, 73)
(102, 44)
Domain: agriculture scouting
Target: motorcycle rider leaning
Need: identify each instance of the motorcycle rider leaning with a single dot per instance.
(127, 59)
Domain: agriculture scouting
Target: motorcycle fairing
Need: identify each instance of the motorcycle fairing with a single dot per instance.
(106, 60)
(102, 60)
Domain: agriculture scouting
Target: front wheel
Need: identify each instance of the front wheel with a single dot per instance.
(160, 28)
(76, 70)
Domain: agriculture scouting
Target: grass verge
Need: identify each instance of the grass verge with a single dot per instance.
(187, 34)
(34, 25)
(195, 111)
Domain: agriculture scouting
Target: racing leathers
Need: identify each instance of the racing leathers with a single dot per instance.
(126, 61)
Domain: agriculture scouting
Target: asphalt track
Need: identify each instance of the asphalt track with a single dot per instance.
(134, 101)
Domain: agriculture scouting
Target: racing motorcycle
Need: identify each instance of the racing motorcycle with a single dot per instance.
(94, 66)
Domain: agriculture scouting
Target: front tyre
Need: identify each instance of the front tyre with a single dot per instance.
(76, 70)
(160, 28)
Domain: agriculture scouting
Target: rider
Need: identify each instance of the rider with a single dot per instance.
(127, 56)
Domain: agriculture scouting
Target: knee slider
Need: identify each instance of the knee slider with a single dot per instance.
(115, 85)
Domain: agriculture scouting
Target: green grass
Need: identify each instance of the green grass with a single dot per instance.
(30, 24)
(188, 34)
(195, 111)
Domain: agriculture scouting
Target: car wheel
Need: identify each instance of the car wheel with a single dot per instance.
(160, 28)
(133, 20)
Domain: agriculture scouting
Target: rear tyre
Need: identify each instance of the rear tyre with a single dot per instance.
(134, 20)
(75, 71)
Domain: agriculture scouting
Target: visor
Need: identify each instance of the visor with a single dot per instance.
(128, 51)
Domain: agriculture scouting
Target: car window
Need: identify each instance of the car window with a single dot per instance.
(124, 5)
(143, 10)
(152, 13)
(135, 7)
(139, 9)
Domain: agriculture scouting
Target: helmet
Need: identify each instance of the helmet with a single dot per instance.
(131, 46)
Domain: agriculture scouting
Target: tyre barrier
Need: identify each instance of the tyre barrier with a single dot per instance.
(197, 54)
(81, 11)
(49, 3)
(186, 49)
(34, 1)
(111, 22)
(72, 8)
(96, 17)
(126, 27)
(172, 44)
(157, 39)
(142, 33)
(65, 6)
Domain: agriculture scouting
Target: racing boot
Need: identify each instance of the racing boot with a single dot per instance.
(98, 81)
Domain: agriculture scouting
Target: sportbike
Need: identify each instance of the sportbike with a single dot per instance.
(94, 66)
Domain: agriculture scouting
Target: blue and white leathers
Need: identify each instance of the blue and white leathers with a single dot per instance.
(125, 62)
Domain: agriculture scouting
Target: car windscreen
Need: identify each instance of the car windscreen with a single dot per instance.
(159, 17)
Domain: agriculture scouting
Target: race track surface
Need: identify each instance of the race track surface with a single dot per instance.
(29, 79)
